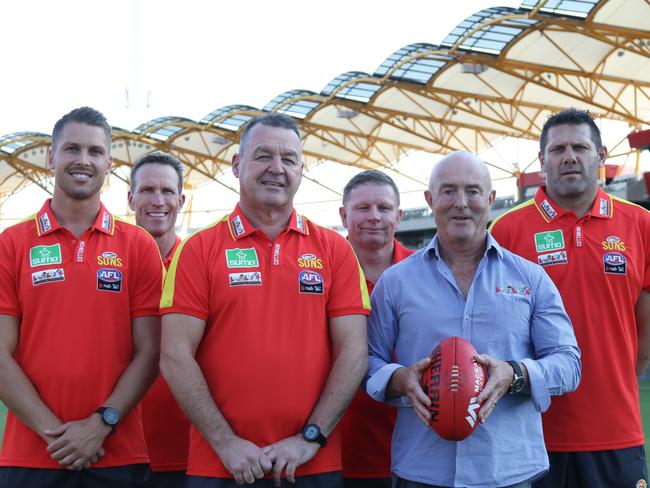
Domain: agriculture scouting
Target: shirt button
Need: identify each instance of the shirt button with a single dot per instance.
(466, 316)
(74, 241)
(269, 244)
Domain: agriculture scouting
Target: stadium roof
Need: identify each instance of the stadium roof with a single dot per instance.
(498, 74)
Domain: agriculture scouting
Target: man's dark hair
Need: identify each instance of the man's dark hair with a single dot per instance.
(571, 116)
(83, 115)
(270, 120)
(369, 177)
(158, 157)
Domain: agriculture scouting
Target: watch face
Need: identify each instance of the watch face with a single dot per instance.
(311, 432)
(111, 416)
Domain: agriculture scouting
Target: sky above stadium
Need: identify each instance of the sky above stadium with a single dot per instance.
(136, 60)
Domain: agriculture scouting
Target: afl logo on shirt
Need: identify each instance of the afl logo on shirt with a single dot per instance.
(614, 262)
(109, 279)
(310, 282)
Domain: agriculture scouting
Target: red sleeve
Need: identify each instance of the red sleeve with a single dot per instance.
(9, 304)
(349, 294)
(187, 287)
(146, 286)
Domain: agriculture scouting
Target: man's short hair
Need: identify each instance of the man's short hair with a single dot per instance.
(83, 115)
(158, 157)
(369, 177)
(270, 120)
(571, 116)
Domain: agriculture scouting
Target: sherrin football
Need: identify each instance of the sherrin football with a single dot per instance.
(453, 381)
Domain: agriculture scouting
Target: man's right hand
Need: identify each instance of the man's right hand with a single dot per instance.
(406, 381)
(243, 459)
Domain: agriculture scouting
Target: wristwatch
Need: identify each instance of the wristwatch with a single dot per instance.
(518, 380)
(312, 433)
(110, 416)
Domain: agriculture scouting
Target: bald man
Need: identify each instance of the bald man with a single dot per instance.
(464, 284)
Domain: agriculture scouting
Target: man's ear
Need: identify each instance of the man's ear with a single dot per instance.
(235, 164)
(344, 217)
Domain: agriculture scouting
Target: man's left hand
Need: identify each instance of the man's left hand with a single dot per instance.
(500, 375)
(290, 453)
(79, 443)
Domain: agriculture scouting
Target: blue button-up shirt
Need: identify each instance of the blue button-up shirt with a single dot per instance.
(512, 311)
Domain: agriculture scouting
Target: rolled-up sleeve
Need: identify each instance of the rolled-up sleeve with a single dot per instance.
(556, 368)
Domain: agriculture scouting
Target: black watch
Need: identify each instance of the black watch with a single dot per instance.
(519, 380)
(312, 433)
(110, 416)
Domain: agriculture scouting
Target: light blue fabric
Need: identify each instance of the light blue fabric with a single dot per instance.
(513, 311)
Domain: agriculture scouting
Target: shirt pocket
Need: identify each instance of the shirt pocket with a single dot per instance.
(513, 314)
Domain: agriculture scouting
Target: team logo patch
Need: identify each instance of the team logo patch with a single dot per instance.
(109, 279)
(558, 257)
(614, 262)
(242, 258)
(548, 209)
(613, 243)
(310, 282)
(251, 278)
(514, 290)
(48, 276)
(45, 222)
(309, 260)
(300, 222)
(238, 225)
(109, 258)
(45, 255)
(604, 207)
(641, 484)
(549, 241)
(106, 222)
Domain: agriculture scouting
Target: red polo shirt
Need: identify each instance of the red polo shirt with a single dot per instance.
(367, 427)
(266, 351)
(75, 299)
(599, 263)
(166, 428)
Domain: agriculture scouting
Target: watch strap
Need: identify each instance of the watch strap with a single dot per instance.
(518, 381)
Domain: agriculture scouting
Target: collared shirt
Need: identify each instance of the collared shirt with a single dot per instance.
(367, 426)
(266, 351)
(75, 299)
(599, 262)
(512, 311)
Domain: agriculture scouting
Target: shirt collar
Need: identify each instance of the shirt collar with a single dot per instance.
(46, 220)
(551, 211)
(433, 248)
(240, 227)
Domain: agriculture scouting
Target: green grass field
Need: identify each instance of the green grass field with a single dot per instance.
(644, 391)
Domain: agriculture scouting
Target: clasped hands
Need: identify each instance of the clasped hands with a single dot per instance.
(248, 462)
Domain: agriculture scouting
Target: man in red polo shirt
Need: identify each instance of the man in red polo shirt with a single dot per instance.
(264, 328)
(79, 326)
(596, 248)
(371, 214)
(156, 195)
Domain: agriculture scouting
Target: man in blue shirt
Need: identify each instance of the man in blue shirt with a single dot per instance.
(464, 284)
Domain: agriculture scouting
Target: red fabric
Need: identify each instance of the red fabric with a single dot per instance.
(75, 339)
(367, 426)
(604, 412)
(266, 350)
(166, 428)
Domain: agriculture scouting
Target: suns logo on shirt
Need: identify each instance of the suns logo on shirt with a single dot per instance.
(309, 260)
(613, 243)
(109, 258)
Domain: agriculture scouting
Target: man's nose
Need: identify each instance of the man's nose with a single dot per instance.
(275, 165)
